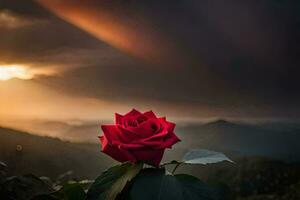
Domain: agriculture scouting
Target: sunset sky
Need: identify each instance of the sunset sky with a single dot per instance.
(190, 60)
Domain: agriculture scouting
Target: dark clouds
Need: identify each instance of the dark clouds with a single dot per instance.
(47, 40)
(243, 55)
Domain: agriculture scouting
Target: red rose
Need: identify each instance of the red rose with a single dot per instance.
(138, 137)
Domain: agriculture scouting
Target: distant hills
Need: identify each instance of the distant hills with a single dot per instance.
(244, 139)
(25, 153)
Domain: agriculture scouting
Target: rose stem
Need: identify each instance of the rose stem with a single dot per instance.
(176, 166)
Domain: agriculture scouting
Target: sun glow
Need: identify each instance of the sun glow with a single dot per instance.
(14, 71)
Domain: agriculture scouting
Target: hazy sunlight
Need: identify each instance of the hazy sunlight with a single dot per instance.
(14, 71)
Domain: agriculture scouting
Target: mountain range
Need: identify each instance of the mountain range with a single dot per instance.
(245, 139)
(26, 153)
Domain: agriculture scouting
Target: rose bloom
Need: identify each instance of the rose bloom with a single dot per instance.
(138, 137)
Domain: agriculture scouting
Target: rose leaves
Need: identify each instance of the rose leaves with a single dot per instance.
(153, 184)
(130, 181)
(203, 156)
(111, 182)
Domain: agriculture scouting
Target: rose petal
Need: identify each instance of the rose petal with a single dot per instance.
(118, 118)
(162, 119)
(120, 155)
(171, 126)
(131, 146)
(150, 114)
(149, 156)
(130, 135)
(110, 132)
(141, 132)
(161, 134)
(132, 113)
(151, 126)
(142, 144)
(103, 141)
(170, 140)
(114, 135)
(140, 119)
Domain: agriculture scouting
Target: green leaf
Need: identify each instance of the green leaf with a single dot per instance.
(85, 184)
(110, 183)
(203, 156)
(73, 191)
(154, 184)
(196, 189)
(45, 197)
